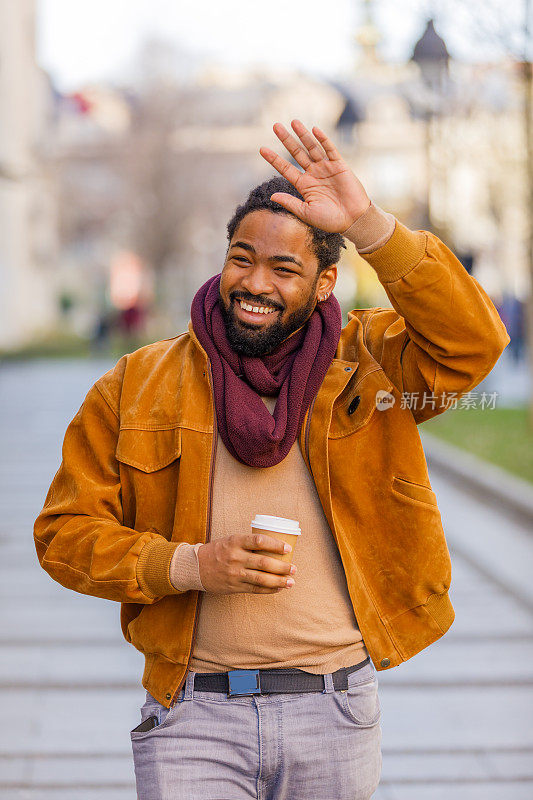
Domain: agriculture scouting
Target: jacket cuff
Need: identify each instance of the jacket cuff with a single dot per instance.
(371, 230)
(153, 567)
(185, 568)
(403, 251)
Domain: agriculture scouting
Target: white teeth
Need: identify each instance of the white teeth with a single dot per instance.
(255, 309)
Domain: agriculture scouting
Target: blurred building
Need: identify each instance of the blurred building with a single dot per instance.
(457, 147)
(155, 170)
(28, 229)
(85, 155)
(165, 182)
(159, 172)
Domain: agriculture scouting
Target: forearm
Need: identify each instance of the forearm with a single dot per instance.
(447, 311)
(443, 334)
(104, 559)
(79, 535)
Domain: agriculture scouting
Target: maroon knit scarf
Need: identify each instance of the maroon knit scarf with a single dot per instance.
(294, 371)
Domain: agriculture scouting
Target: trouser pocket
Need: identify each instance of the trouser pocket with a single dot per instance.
(360, 702)
(152, 709)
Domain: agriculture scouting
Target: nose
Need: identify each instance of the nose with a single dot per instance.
(258, 281)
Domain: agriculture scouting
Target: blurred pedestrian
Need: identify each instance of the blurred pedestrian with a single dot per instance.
(103, 328)
(513, 316)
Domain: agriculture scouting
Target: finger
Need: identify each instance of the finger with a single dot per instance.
(289, 202)
(268, 564)
(258, 578)
(313, 147)
(327, 144)
(288, 171)
(293, 145)
(258, 541)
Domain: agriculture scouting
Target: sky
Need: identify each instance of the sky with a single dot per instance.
(80, 42)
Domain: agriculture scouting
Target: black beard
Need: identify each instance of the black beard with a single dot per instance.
(247, 340)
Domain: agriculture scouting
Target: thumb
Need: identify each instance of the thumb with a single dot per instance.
(289, 202)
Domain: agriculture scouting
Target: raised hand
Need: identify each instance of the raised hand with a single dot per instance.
(333, 197)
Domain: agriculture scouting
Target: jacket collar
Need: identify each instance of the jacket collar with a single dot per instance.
(196, 341)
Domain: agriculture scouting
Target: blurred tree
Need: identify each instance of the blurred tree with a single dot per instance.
(153, 194)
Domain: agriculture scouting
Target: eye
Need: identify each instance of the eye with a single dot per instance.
(241, 258)
(284, 269)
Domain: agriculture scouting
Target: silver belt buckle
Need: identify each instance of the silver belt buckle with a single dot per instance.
(243, 682)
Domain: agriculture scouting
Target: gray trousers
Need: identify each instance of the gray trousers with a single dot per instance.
(304, 746)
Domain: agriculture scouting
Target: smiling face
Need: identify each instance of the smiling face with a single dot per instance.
(270, 283)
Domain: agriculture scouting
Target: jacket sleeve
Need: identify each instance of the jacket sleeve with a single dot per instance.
(443, 334)
(79, 535)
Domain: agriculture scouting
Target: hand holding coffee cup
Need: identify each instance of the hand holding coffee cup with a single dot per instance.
(280, 528)
(235, 564)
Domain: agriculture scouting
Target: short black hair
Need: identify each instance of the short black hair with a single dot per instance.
(326, 246)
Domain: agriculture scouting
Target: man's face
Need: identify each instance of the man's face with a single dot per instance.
(269, 265)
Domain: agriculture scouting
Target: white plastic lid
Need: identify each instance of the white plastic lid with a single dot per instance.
(279, 524)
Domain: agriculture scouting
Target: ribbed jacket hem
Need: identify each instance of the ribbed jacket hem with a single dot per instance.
(403, 251)
(153, 568)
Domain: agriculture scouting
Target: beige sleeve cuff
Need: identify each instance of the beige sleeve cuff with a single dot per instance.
(371, 230)
(185, 568)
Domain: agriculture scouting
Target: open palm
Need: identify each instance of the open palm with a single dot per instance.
(333, 197)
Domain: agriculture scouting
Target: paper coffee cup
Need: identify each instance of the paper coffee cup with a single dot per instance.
(285, 530)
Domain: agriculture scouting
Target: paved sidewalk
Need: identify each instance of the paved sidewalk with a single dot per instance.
(457, 718)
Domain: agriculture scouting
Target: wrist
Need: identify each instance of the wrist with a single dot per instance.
(185, 568)
(371, 230)
(357, 211)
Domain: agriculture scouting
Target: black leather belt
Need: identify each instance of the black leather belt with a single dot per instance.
(270, 681)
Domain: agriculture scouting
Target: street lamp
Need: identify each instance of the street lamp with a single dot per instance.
(431, 56)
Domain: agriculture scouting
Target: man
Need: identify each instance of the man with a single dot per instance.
(267, 405)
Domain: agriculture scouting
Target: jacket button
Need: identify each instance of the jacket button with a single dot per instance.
(168, 696)
(385, 662)
(347, 369)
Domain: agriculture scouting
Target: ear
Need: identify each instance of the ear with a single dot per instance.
(326, 282)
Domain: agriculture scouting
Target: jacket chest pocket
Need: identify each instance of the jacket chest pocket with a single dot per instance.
(148, 450)
(357, 404)
(149, 462)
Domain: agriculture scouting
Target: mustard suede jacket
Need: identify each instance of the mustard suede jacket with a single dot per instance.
(137, 470)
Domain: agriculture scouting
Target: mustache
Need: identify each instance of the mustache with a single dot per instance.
(256, 301)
